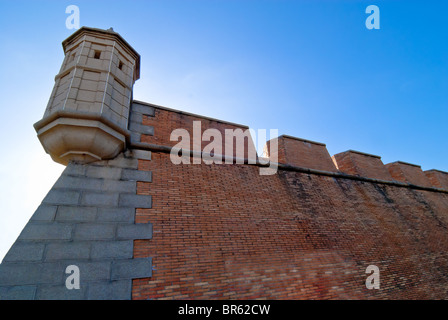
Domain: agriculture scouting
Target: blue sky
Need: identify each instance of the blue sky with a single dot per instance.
(310, 69)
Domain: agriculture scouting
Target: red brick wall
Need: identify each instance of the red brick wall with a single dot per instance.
(361, 164)
(226, 232)
(409, 173)
(438, 179)
(302, 153)
(165, 121)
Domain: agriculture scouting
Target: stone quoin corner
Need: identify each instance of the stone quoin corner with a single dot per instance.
(137, 226)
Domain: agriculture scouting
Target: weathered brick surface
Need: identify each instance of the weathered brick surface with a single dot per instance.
(361, 164)
(302, 153)
(438, 179)
(406, 172)
(165, 121)
(224, 231)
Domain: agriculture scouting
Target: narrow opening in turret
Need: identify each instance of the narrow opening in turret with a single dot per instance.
(120, 65)
(97, 54)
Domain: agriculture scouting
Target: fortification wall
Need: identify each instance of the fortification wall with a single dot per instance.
(225, 231)
(141, 227)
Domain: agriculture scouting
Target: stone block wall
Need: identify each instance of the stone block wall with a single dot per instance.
(87, 220)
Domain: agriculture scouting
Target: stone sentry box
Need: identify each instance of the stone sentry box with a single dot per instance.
(86, 118)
